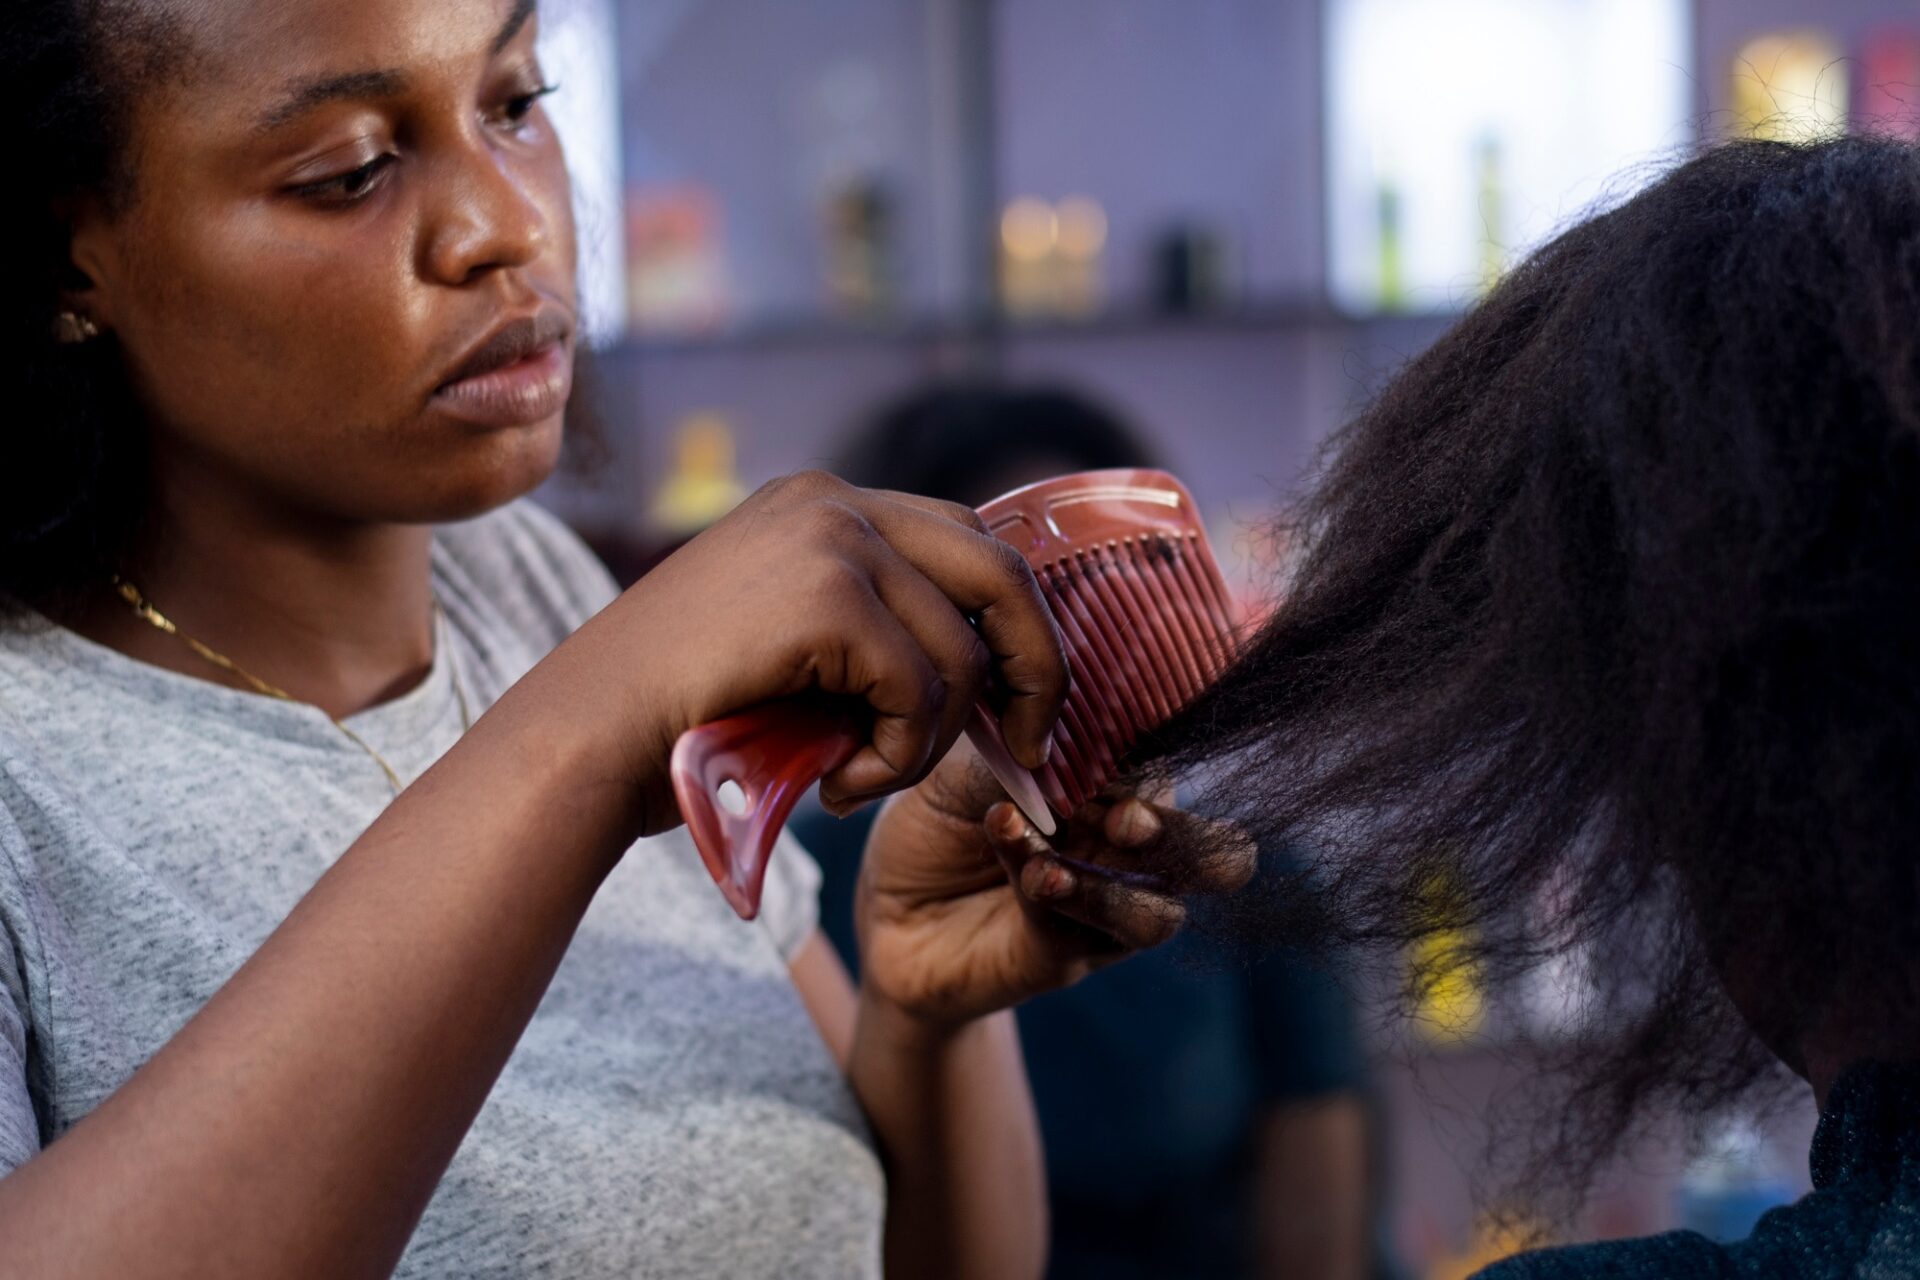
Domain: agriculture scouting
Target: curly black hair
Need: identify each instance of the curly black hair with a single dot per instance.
(1606, 619)
(70, 487)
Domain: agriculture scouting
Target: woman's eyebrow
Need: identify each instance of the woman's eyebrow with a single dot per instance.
(308, 94)
(305, 95)
(522, 10)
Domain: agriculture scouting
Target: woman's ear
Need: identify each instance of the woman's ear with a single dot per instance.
(88, 276)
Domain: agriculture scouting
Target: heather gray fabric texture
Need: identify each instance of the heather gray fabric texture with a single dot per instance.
(670, 1111)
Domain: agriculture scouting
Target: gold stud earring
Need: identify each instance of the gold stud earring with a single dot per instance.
(70, 328)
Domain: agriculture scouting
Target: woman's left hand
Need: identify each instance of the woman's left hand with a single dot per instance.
(964, 909)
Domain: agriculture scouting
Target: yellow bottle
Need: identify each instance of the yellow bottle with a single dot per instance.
(703, 485)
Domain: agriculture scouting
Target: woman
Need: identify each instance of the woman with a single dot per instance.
(1610, 603)
(291, 285)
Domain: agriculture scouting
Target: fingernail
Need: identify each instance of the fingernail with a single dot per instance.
(1006, 823)
(1138, 823)
(846, 806)
(1047, 879)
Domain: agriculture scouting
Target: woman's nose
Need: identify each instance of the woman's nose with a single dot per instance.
(485, 217)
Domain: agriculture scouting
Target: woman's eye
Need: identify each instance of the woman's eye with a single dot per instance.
(349, 187)
(520, 106)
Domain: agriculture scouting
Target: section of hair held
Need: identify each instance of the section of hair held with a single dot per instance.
(1599, 642)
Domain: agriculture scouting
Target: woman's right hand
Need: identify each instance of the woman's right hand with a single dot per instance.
(907, 604)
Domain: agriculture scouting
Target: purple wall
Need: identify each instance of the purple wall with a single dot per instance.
(765, 104)
(1170, 111)
(1164, 110)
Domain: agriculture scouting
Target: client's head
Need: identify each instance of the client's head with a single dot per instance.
(1606, 620)
(970, 442)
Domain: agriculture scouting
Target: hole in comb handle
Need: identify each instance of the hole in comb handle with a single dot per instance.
(737, 779)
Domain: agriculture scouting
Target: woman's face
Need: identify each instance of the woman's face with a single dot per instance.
(341, 209)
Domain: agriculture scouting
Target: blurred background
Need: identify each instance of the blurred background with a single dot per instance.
(953, 243)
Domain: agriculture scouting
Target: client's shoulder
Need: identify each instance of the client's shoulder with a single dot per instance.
(1675, 1254)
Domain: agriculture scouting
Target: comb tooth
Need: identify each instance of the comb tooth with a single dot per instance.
(1211, 645)
(1101, 724)
(1090, 746)
(1048, 776)
(1088, 699)
(1067, 742)
(1097, 727)
(1076, 792)
(1123, 701)
(1152, 563)
(1203, 615)
(1216, 647)
(1148, 638)
(1152, 559)
(1056, 776)
(1123, 639)
(1096, 756)
(1216, 637)
(1161, 644)
(1209, 574)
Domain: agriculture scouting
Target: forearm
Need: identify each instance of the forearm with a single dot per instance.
(1311, 1189)
(966, 1185)
(299, 1123)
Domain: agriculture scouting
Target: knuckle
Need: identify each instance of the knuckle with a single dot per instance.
(1013, 567)
(836, 524)
(934, 693)
(770, 492)
(1070, 971)
(975, 657)
(1243, 870)
(962, 514)
(1160, 921)
(966, 659)
(797, 488)
(1235, 861)
(838, 580)
(815, 483)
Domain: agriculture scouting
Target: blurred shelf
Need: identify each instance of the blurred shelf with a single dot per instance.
(786, 333)
(1254, 317)
(800, 332)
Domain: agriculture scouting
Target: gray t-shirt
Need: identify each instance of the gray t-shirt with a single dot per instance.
(670, 1110)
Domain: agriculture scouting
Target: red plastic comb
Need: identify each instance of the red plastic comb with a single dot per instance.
(1123, 561)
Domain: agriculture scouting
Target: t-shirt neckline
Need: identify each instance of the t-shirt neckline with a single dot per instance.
(394, 724)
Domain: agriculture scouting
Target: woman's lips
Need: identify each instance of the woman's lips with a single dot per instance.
(517, 395)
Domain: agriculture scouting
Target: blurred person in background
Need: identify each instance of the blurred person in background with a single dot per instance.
(1201, 1117)
(1610, 600)
(346, 925)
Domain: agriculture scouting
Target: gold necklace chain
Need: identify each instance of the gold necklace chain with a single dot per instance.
(143, 608)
